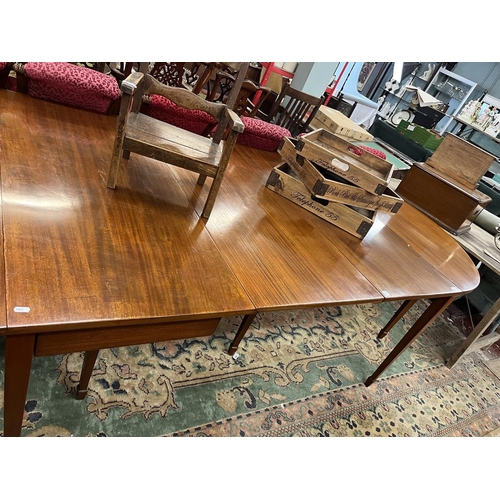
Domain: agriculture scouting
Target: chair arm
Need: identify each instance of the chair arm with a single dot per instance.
(235, 121)
(130, 84)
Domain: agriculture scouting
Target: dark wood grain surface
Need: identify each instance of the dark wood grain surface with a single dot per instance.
(280, 253)
(267, 239)
(3, 317)
(80, 255)
(87, 267)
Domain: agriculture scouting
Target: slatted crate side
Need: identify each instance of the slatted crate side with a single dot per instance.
(347, 166)
(328, 186)
(309, 176)
(333, 143)
(356, 222)
(338, 123)
(334, 189)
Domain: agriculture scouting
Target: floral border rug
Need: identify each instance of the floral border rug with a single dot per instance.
(297, 373)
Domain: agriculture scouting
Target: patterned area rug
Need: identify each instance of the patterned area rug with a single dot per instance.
(298, 373)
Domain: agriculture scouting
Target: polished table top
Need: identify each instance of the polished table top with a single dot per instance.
(85, 267)
(267, 239)
(77, 253)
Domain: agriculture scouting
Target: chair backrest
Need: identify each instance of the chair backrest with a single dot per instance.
(173, 74)
(249, 98)
(294, 109)
(148, 85)
(120, 70)
(220, 88)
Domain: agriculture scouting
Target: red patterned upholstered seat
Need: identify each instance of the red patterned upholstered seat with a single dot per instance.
(373, 151)
(72, 85)
(261, 135)
(163, 109)
(3, 65)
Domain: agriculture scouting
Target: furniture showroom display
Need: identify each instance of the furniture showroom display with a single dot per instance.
(85, 267)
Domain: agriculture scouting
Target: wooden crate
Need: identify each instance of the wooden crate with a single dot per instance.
(439, 197)
(355, 221)
(346, 160)
(338, 123)
(461, 160)
(328, 186)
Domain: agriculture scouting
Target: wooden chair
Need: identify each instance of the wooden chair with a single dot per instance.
(294, 109)
(144, 135)
(244, 104)
(120, 70)
(177, 74)
(289, 116)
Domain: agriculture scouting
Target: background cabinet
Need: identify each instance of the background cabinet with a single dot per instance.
(451, 89)
(397, 104)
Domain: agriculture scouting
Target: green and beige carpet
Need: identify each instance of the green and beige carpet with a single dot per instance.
(299, 373)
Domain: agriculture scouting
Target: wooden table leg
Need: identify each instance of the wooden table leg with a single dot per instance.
(404, 308)
(436, 307)
(481, 327)
(245, 325)
(87, 368)
(18, 355)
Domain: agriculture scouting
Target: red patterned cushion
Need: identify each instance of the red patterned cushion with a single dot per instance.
(165, 110)
(72, 85)
(261, 135)
(3, 65)
(373, 151)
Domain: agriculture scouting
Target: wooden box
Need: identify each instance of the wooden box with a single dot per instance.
(338, 123)
(461, 160)
(451, 205)
(346, 160)
(355, 221)
(328, 186)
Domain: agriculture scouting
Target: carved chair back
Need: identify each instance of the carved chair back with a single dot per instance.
(294, 109)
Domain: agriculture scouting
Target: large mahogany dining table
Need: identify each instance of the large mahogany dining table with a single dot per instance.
(84, 267)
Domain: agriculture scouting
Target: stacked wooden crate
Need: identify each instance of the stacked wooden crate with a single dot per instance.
(334, 121)
(445, 186)
(335, 179)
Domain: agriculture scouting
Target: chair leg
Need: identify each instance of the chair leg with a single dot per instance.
(113, 171)
(126, 155)
(214, 190)
(201, 180)
(212, 195)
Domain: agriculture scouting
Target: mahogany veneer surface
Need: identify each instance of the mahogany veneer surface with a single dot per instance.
(79, 255)
(267, 239)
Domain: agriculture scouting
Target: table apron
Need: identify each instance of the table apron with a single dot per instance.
(52, 343)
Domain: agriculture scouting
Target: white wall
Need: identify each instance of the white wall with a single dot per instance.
(313, 77)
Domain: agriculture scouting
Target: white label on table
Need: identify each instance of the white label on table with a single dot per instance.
(20, 309)
(340, 165)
